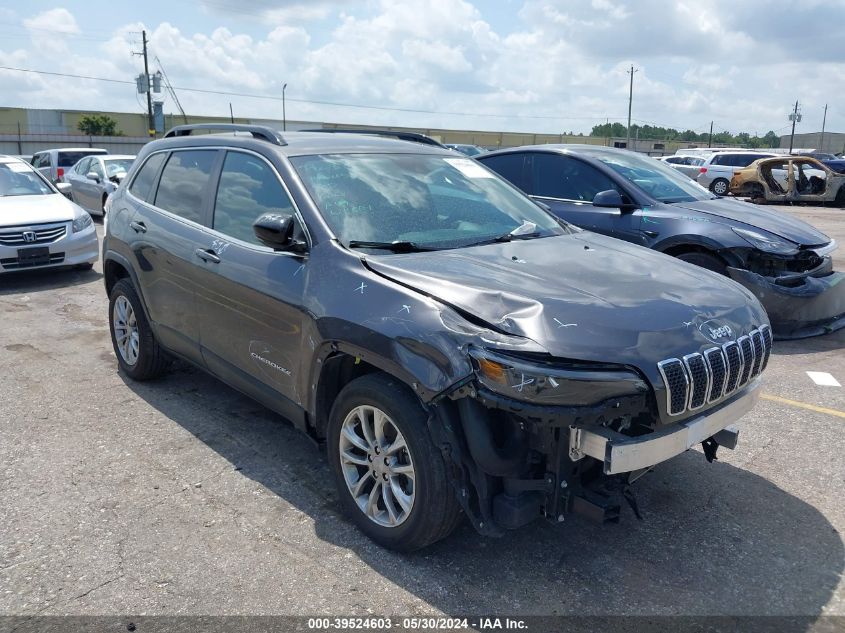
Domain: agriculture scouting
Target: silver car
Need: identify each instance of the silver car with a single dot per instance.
(719, 167)
(93, 179)
(687, 165)
(40, 227)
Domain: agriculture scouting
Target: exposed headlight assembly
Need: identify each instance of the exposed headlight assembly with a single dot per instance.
(767, 243)
(553, 383)
(81, 223)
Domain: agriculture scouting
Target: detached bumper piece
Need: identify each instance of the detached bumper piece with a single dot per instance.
(799, 306)
(622, 454)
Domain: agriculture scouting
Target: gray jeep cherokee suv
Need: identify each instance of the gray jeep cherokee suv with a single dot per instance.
(458, 349)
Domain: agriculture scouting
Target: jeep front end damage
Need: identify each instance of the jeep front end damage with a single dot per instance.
(525, 438)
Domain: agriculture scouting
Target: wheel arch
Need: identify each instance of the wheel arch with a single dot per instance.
(117, 267)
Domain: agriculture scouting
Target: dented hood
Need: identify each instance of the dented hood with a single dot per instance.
(753, 215)
(582, 296)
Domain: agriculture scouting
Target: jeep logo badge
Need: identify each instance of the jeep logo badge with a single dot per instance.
(715, 330)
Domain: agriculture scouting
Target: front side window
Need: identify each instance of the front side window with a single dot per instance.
(82, 167)
(184, 181)
(142, 186)
(432, 201)
(556, 176)
(248, 188)
(659, 181)
(97, 168)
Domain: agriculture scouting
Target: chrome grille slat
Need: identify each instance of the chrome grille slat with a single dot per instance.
(759, 347)
(702, 378)
(718, 371)
(699, 380)
(747, 351)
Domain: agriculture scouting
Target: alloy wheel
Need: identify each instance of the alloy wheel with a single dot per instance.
(125, 330)
(377, 466)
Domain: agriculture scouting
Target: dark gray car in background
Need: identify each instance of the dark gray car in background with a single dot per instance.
(785, 262)
(459, 350)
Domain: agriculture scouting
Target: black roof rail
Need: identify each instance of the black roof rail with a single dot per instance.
(414, 137)
(257, 131)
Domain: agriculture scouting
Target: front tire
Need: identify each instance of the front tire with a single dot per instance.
(137, 351)
(390, 477)
(720, 187)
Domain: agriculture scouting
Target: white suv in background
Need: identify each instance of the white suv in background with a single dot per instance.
(718, 168)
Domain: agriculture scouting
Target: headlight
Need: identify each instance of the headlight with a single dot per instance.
(553, 383)
(81, 223)
(767, 243)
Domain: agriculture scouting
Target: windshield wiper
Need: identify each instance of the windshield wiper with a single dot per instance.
(396, 247)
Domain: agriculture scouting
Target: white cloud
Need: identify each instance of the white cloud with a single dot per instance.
(551, 66)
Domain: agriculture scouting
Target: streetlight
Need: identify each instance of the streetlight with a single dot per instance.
(284, 114)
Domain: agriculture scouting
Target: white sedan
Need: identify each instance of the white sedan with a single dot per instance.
(39, 226)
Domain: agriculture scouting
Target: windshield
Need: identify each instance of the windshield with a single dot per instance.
(115, 166)
(654, 177)
(431, 201)
(19, 179)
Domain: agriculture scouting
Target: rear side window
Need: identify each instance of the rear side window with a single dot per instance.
(509, 167)
(142, 186)
(184, 181)
(555, 176)
(248, 189)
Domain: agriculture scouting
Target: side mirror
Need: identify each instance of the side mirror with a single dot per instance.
(64, 188)
(276, 231)
(610, 198)
(92, 176)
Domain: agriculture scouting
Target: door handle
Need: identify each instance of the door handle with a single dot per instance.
(138, 227)
(209, 255)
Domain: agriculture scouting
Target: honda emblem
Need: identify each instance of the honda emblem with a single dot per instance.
(29, 237)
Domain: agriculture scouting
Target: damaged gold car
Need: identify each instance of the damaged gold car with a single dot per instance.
(789, 179)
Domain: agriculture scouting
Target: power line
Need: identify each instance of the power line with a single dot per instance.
(318, 102)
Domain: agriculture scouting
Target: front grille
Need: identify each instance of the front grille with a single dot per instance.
(715, 374)
(10, 263)
(44, 234)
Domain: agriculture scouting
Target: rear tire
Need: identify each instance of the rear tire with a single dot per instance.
(412, 480)
(138, 353)
(720, 187)
(705, 260)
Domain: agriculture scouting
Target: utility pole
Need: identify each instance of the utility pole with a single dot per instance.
(284, 113)
(824, 120)
(795, 117)
(231, 114)
(710, 138)
(151, 126)
(630, 99)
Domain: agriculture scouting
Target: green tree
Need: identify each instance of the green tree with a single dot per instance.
(98, 125)
(771, 139)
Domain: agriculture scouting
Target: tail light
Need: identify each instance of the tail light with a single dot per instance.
(702, 170)
(60, 173)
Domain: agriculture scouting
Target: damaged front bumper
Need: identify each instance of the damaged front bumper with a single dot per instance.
(622, 454)
(799, 305)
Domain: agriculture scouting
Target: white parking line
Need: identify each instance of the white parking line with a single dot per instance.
(823, 378)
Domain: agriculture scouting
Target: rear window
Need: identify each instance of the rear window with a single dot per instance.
(69, 159)
(184, 183)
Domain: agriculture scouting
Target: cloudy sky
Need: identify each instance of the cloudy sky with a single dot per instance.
(520, 65)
